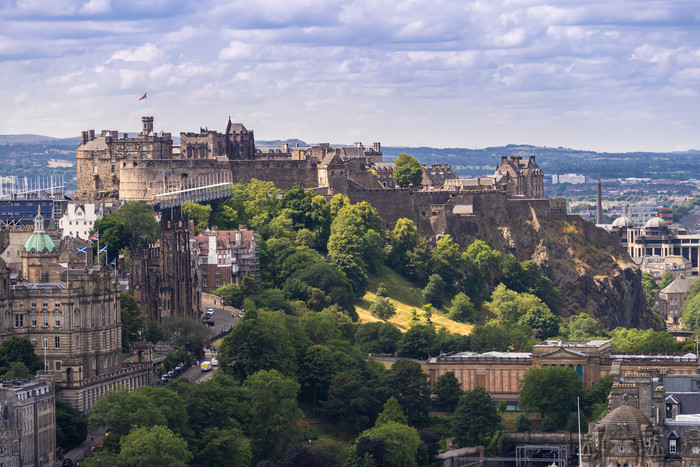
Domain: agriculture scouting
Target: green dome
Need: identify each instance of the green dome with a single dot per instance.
(39, 240)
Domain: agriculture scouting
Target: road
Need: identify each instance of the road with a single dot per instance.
(224, 317)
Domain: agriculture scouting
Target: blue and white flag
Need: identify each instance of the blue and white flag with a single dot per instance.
(114, 261)
(101, 250)
(81, 250)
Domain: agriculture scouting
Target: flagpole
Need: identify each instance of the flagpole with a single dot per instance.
(578, 410)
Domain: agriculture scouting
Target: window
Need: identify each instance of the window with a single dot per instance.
(45, 303)
(57, 320)
(33, 321)
(21, 304)
(19, 321)
(45, 321)
(671, 446)
(57, 304)
(33, 303)
(56, 342)
(46, 342)
(58, 366)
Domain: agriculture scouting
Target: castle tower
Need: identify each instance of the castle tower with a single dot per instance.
(147, 125)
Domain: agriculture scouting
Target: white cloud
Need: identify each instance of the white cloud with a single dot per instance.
(96, 6)
(236, 50)
(147, 53)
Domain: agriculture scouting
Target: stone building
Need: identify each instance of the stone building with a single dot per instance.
(225, 256)
(71, 313)
(79, 217)
(28, 421)
(658, 265)
(672, 297)
(435, 175)
(653, 420)
(164, 277)
(500, 373)
(523, 179)
(658, 239)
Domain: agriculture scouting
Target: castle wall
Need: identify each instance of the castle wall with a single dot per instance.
(284, 173)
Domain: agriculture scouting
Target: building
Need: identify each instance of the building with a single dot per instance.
(28, 421)
(79, 217)
(225, 256)
(653, 420)
(164, 277)
(515, 178)
(435, 175)
(658, 238)
(71, 313)
(500, 373)
(672, 297)
(658, 265)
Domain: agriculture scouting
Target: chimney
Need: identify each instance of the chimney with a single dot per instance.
(92, 135)
(84, 137)
(358, 145)
(504, 159)
(285, 147)
(599, 204)
(377, 147)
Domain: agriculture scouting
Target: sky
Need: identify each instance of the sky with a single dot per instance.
(613, 76)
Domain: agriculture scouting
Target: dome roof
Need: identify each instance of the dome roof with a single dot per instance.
(622, 222)
(627, 416)
(656, 223)
(39, 240)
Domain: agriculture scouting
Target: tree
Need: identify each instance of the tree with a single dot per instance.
(377, 337)
(153, 333)
(650, 287)
(222, 447)
(199, 214)
(583, 327)
(318, 368)
(188, 332)
(597, 397)
(666, 278)
(476, 419)
(418, 342)
(461, 309)
(446, 259)
(140, 225)
(435, 290)
(154, 446)
(563, 386)
(274, 413)
(400, 442)
(392, 413)
(409, 384)
(525, 309)
(382, 308)
(447, 390)
(407, 171)
(20, 349)
(349, 402)
(404, 238)
(522, 423)
(71, 426)
(112, 233)
(231, 294)
(132, 321)
(304, 456)
(123, 411)
(495, 336)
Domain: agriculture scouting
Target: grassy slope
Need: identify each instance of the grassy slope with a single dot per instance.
(405, 296)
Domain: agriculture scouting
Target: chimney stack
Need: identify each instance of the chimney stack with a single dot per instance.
(599, 204)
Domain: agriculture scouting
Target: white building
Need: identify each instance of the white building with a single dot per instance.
(79, 217)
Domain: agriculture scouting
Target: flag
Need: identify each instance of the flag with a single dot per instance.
(81, 250)
(143, 97)
(114, 262)
(101, 250)
(95, 237)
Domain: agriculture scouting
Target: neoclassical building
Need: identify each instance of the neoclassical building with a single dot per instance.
(70, 310)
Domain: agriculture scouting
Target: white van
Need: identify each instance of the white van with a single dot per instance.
(205, 366)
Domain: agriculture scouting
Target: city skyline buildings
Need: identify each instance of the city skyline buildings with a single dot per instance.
(613, 77)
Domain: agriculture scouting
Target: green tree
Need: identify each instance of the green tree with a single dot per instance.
(377, 337)
(274, 413)
(153, 333)
(404, 238)
(409, 384)
(447, 390)
(139, 223)
(318, 368)
(418, 342)
(522, 423)
(132, 321)
(446, 259)
(71, 426)
(597, 397)
(461, 309)
(188, 332)
(349, 402)
(231, 294)
(407, 171)
(197, 213)
(382, 308)
(112, 233)
(691, 307)
(495, 336)
(400, 443)
(525, 309)
(154, 446)
(583, 327)
(20, 349)
(222, 447)
(123, 411)
(666, 278)
(476, 419)
(650, 287)
(434, 291)
(392, 413)
(563, 386)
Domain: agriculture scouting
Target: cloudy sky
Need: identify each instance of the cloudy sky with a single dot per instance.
(606, 75)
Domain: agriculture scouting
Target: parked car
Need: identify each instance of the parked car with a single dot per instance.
(214, 362)
(205, 366)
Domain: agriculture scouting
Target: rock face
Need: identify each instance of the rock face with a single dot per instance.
(588, 265)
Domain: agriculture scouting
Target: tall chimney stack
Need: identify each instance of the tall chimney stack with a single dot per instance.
(599, 205)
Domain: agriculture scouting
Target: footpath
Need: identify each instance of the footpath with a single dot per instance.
(78, 453)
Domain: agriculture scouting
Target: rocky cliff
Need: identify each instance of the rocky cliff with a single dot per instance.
(587, 264)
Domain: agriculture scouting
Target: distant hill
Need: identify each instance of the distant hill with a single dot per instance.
(37, 139)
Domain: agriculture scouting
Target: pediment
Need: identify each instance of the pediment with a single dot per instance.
(621, 433)
(563, 353)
